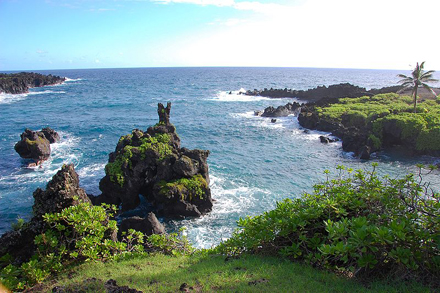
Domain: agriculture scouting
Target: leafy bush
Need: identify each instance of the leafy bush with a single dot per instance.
(172, 244)
(76, 234)
(357, 222)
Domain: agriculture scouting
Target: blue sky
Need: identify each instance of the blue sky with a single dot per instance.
(61, 34)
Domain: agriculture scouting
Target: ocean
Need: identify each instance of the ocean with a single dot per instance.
(253, 163)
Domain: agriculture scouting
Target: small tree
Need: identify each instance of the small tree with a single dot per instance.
(418, 78)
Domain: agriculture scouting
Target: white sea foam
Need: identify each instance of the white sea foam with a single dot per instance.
(236, 96)
(72, 79)
(91, 170)
(232, 200)
(265, 122)
(12, 98)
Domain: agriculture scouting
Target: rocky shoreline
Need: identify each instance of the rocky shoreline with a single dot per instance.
(20, 83)
(359, 136)
(342, 90)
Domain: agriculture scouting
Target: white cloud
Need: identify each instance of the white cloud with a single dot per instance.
(322, 33)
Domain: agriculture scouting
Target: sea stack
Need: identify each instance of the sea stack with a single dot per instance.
(35, 145)
(151, 163)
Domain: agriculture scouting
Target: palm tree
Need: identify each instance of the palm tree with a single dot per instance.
(419, 78)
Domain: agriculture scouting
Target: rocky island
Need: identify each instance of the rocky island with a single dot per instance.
(35, 145)
(151, 163)
(19, 83)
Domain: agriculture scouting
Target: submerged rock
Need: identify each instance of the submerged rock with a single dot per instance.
(35, 145)
(174, 180)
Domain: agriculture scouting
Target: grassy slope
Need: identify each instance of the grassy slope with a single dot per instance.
(160, 273)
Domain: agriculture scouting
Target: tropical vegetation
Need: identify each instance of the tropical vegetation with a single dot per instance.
(356, 224)
(418, 78)
(378, 114)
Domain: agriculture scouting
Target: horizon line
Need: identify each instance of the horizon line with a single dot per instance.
(176, 67)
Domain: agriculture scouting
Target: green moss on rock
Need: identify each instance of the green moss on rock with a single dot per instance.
(190, 187)
(158, 143)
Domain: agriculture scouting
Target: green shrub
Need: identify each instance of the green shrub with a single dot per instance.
(356, 223)
(172, 244)
(76, 234)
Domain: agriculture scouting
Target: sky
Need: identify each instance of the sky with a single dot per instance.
(372, 34)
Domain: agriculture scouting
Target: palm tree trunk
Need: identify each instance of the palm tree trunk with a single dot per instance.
(415, 99)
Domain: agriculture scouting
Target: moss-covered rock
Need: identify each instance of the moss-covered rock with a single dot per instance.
(142, 160)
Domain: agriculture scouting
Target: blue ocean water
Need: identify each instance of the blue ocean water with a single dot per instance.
(253, 162)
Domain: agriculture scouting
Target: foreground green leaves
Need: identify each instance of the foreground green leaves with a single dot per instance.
(78, 234)
(356, 223)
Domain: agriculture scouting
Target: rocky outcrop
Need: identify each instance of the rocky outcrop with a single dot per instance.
(342, 90)
(61, 192)
(354, 139)
(51, 135)
(19, 83)
(326, 139)
(35, 145)
(149, 225)
(281, 111)
(174, 180)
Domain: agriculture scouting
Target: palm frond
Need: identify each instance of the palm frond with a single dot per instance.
(407, 84)
(429, 89)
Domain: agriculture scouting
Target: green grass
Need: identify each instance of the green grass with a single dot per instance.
(207, 273)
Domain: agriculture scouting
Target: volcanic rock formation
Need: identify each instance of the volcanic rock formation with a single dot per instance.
(36, 144)
(174, 180)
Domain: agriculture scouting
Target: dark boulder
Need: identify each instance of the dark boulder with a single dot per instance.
(174, 180)
(35, 145)
(51, 135)
(149, 225)
(365, 153)
(281, 111)
(326, 139)
(273, 120)
(61, 192)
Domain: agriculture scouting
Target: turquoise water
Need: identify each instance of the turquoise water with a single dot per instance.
(253, 162)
